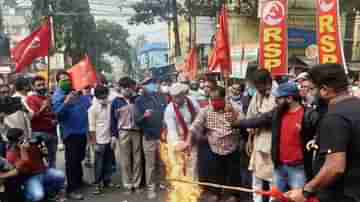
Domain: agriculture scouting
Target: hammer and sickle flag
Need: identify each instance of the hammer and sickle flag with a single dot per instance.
(32, 47)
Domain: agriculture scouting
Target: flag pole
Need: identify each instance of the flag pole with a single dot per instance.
(52, 44)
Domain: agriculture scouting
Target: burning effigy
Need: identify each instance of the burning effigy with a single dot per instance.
(180, 166)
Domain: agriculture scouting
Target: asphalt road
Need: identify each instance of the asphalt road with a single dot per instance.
(110, 195)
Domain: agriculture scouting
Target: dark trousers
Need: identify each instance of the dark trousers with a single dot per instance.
(75, 147)
(219, 169)
(103, 163)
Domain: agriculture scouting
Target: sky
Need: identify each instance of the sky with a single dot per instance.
(109, 10)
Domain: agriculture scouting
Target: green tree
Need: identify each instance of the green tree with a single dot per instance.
(1, 20)
(111, 40)
(73, 24)
(148, 12)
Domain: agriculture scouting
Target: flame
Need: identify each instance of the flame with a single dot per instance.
(175, 165)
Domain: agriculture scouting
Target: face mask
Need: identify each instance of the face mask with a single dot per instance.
(236, 98)
(103, 101)
(127, 93)
(151, 88)
(41, 92)
(284, 107)
(251, 92)
(218, 104)
(164, 89)
(65, 85)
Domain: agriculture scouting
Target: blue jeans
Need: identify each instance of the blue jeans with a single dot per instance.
(292, 177)
(37, 186)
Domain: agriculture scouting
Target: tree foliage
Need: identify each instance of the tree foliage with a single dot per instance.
(73, 24)
(149, 12)
(111, 40)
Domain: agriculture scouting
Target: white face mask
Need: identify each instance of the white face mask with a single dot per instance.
(164, 89)
(103, 101)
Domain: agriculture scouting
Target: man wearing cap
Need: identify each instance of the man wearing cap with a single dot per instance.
(179, 115)
(149, 116)
(292, 127)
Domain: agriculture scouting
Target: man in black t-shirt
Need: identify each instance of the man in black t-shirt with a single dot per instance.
(338, 162)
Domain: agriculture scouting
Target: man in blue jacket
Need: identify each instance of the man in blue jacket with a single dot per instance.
(149, 116)
(71, 110)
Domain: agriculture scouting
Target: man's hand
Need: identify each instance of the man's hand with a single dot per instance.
(296, 195)
(46, 104)
(71, 97)
(113, 143)
(311, 145)
(181, 146)
(148, 113)
(92, 138)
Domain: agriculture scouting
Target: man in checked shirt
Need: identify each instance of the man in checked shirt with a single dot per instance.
(223, 165)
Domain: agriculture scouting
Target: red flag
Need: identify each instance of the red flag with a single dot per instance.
(34, 46)
(191, 65)
(83, 74)
(221, 56)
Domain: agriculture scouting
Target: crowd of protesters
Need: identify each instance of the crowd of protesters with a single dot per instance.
(300, 135)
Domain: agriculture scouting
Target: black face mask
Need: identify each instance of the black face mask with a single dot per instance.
(284, 107)
(42, 92)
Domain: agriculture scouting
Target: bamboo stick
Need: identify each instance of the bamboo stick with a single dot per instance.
(242, 189)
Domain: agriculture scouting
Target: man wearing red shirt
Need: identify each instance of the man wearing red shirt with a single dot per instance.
(293, 126)
(43, 121)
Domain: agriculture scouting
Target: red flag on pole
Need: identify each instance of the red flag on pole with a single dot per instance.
(34, 46)
(191, 64)
(83, 74)
(221, 56)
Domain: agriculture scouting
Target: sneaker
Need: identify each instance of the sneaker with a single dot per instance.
(98, 190)
(75, 196)
(112, 186)
(151, 195)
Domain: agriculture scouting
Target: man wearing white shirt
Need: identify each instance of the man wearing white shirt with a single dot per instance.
(21, 119)
(100, 132)
(179, 115)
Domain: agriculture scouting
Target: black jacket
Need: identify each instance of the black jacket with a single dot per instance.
(273, 120)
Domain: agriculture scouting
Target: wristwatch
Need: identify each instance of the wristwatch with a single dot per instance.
(308, 194)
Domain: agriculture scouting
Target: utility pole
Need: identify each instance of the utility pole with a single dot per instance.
(176, 28)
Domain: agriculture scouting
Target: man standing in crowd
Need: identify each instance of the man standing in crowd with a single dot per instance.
(179, 115)
(4, 93)
(43, 121)
(71, 110)
(292, 127)
(214, 124)
(125, 130)
(149, 117)
(337, 161)
(99, 128)
(260, 163)
(236, 97)
(21, 118)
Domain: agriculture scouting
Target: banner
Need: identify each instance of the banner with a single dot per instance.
(328, 32)
(273, 52)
